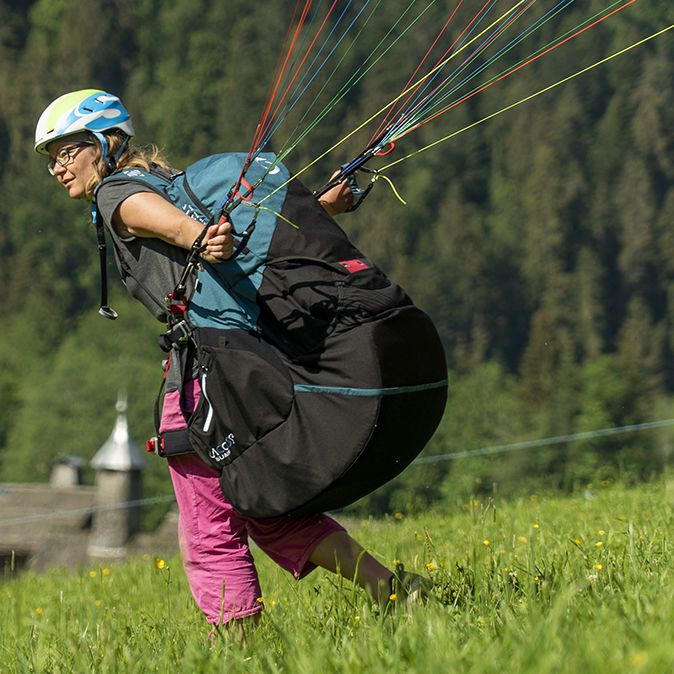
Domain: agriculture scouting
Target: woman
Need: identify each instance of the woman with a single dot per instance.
(86, 136)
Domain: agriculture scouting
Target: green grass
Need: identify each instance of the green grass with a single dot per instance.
(546, 583)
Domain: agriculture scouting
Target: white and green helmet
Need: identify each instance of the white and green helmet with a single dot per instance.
(89, 110)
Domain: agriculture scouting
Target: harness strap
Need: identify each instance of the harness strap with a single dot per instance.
(170, 443)
(104, 310)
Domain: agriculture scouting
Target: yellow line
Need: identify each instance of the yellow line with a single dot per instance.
(395, 100)
(528, 98)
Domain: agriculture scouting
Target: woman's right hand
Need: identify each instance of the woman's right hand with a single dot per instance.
(219, 242)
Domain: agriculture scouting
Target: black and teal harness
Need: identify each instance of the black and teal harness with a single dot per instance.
(320, 379)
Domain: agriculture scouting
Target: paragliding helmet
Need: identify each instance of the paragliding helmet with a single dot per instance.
(87, 110)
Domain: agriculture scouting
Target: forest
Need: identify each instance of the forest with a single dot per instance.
(539, 240)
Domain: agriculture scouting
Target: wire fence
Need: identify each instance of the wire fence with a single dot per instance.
(546, 442)
(452, 456)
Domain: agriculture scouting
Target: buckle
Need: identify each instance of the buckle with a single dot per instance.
(176, 303)
(155, 445)
(176, 334)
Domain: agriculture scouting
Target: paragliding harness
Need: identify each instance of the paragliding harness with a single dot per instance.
(314, 378)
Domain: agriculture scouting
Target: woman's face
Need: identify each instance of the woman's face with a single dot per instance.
(72, 163)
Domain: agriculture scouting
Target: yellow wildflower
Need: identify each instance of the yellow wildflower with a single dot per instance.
(638, 659)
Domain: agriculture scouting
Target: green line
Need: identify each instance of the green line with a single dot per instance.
(526, 99)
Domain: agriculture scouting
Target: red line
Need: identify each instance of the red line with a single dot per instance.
(451, 47)
(264, 123)
(510, 72)
(270, 93)
(409, 81)
(471, 57)
(299, 67)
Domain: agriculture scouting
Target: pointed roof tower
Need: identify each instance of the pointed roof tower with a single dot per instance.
(119, 452)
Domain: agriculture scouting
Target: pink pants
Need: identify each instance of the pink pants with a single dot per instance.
(214, 543)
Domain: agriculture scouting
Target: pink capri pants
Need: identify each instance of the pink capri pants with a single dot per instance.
(214, 543)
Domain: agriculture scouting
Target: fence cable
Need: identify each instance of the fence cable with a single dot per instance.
(482, 451)
(545, 442)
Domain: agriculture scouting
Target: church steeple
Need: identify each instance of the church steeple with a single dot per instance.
(119, 451)
(118, 465)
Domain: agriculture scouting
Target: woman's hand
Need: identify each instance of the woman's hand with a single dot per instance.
(219, 242)
(337, 199)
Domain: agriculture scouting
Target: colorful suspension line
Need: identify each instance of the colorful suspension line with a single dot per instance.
(419, 104)
(528, 98)
(378, 144)
(369, 154)
(312, 42)
(274, 111)
(369, 62)
(431, 113)
(404, 126)
(282, 97)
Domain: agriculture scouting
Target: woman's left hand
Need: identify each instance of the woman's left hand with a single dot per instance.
(338, 199)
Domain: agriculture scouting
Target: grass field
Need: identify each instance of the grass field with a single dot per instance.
(545, 583)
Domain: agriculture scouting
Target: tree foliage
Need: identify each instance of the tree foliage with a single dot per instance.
(540, 242)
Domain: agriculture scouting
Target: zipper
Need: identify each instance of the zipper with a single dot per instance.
(209, 416)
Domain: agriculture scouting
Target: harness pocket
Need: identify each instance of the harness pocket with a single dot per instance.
(304, 301)
(246, 392)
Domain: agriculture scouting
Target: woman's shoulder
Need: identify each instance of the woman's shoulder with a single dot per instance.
(128, 181)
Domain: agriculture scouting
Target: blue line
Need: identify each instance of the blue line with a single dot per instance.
(367, 392)
(420, 107)
(295, 96)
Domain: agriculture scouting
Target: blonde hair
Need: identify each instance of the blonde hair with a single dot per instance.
(131, 157)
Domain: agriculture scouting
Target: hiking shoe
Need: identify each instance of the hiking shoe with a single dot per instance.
(409, 588)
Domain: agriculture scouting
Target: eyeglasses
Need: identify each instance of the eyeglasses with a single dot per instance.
(65, 156)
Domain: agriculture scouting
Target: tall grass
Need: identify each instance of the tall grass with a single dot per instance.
(545, 583)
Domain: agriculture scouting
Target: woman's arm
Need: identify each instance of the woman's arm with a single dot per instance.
(145, 214)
